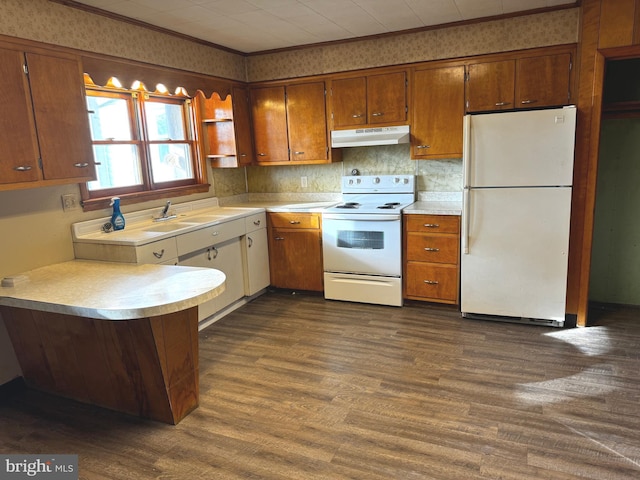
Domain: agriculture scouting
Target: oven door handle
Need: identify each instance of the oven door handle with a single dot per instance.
(373, 217)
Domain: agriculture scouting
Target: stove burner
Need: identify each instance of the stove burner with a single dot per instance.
(348, 205)
(387, 206)
(393, 203)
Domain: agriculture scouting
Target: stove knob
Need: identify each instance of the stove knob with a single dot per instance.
(350, 182)
(358, 181)
(376, 180)
(406, 180)
(396, 180)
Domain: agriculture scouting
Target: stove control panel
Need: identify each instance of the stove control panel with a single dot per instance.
(378, 184)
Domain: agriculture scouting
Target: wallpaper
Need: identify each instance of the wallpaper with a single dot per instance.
(57, 24)
(539, 30)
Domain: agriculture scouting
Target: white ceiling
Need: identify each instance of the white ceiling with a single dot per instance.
(257, 25)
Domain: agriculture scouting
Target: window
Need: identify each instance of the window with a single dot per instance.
(144, 145)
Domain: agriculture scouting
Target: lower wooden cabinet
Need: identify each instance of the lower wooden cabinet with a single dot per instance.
(295, 251)
(432, 258)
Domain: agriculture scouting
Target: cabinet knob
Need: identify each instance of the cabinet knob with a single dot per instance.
(262, 154)
(159, 254)
(431, 282)
(23, 168)
(243, 154)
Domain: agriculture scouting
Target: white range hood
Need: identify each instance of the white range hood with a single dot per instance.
(366, 137)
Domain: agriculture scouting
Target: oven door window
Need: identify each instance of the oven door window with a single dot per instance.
(360, 239)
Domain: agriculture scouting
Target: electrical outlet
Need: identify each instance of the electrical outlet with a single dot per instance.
(70, 201)
(303, 182)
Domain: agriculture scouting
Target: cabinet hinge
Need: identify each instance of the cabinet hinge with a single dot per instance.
(466, 76)
(25, 69)
(40, 163)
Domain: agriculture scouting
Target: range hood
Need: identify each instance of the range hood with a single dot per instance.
(366, 137)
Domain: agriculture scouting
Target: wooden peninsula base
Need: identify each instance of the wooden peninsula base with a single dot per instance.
(146, 367)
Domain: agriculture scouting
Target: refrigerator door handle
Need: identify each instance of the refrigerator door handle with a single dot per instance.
(465, 224)
(466, 153)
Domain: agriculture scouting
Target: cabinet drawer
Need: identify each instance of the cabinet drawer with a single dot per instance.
(425, 247)
(295, 220)
(157, 252)
(255, 222)
(438, 282)
(433, 223)
(205, 237)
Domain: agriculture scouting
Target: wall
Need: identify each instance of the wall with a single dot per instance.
(615, 276)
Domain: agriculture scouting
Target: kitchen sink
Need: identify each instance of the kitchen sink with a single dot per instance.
(168, 227)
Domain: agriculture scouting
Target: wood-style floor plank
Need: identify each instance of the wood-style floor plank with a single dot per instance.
(296, 387)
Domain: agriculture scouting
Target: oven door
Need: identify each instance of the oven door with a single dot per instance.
(362, 243)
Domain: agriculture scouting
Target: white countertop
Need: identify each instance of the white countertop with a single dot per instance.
(432, 207)
(113, 291)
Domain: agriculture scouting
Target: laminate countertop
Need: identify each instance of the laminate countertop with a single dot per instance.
(434, 207)
(112, 291)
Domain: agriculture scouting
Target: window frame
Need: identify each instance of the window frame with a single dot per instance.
(150, 190)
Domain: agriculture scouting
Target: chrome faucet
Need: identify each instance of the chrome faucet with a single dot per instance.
(164, 215)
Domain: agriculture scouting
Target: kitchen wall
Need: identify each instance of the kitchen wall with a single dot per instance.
(615, 276)
(35, 230)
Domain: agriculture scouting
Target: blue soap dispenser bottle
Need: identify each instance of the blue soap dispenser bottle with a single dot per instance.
(117, 219)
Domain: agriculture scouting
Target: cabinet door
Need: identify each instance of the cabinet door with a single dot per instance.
(349, 102)
(437, 111)
(491, 86)
(60, 109)
(307, 122)
(269, 124)
(543, 81)
(257, 252)
(295, 259)
(242, 126)
(18, 141)
(387, 98)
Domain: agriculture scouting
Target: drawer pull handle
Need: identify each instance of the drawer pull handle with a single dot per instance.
(23, 168)
(298, 153)
(430, 249)
(159, 254)
(431, 282)
(423, 146)
(294, 222)
(279, 238)
(527, 102)
(256, 222)
(357, 115)
(377, 114)
(81, 165)
(502, 104)
(262, 154)
(432, 225)
(215, 234)
(249, 242)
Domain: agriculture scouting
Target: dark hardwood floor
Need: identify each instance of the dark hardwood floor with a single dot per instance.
(296, 387)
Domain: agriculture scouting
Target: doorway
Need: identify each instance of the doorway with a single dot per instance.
(615, 257)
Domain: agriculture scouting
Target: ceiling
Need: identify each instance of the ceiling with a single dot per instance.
(258, 25)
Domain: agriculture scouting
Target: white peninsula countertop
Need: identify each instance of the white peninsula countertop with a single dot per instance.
(112, 291)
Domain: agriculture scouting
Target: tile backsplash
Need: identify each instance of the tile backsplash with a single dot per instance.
(432, 175)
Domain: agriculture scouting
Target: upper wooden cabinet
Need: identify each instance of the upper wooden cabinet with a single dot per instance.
(44, 128)
(369, 100)
(536, 81)
(226, 129)
(289, 124)
(437, 111)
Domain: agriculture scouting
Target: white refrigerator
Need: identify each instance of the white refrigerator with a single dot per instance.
(517, 174)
